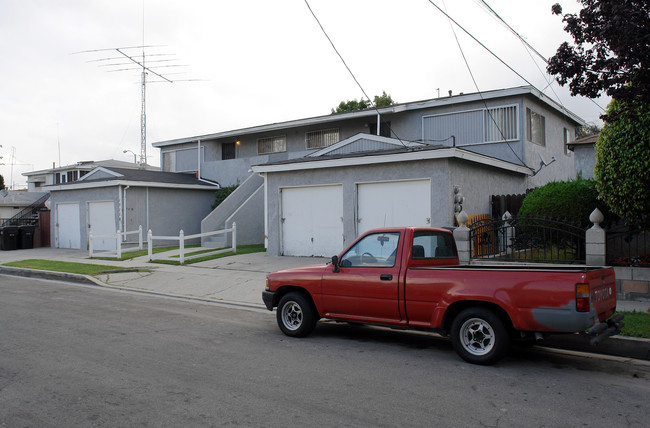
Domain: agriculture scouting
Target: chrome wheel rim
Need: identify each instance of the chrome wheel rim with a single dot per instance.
(477, 336)
(292, 316)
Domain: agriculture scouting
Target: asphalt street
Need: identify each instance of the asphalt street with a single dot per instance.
(75, 355)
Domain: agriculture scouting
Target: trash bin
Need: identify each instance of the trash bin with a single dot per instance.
(26, 237)
(9, 237)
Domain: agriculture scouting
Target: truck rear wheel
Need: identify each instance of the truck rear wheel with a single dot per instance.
(479, 336)
(295, 315)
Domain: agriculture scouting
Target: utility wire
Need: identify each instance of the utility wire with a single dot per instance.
(529, 47)
(469, 69)
(372, 104)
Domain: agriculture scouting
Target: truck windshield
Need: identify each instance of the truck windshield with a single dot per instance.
(374, 250)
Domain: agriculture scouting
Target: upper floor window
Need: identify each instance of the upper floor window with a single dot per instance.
(535, 127)
(567, 139)
(500, 124)
(272, 145)
(384, 129)
(322, 138)
(228, 151)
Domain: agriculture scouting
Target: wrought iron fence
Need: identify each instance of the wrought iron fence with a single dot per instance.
(628, 244)
(527, 239)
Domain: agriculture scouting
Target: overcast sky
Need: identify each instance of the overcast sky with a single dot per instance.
(256, 61)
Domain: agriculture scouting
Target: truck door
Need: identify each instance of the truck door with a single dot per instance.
(367, 286)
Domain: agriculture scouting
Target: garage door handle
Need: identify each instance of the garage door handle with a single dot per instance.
(386, 277)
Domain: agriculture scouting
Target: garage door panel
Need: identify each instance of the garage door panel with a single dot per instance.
(395, 203)
(101, 218)
(68, 226)
(312, 220)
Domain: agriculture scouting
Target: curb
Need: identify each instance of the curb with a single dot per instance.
(51, 275)
(89, 280)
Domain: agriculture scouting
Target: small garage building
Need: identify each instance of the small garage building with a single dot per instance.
(107, 200)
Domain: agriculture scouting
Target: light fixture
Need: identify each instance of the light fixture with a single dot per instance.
(135, 158)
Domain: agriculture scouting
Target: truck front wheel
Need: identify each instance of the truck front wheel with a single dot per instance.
(295, 315)
(479, 336)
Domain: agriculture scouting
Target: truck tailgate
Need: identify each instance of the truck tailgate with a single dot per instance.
(602, 286)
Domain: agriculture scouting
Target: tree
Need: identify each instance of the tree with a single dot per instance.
(588, 130)
(2, 182)
(382, 100)
(623, 161)
(612, 51)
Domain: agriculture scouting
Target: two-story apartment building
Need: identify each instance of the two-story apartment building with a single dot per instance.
(310, 186)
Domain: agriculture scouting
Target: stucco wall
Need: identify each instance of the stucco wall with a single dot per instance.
(585, 160)
(82, 197)
(164, 211)
(477, 182)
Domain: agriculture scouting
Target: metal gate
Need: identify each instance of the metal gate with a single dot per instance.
(527, 239)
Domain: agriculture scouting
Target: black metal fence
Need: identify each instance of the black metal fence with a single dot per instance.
(527, 239)
(628, 244)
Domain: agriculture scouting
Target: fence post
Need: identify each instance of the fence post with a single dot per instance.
(140, 237)
(595, 241)
(507, 232)
(181, 245)
(234, 237)
(150, 244)
(118, 243)
(90, 242)
(461, 235)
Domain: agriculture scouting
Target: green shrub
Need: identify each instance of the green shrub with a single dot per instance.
(221, 194)
(571, 200)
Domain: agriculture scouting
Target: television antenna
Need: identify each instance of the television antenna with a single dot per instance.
(131, 58)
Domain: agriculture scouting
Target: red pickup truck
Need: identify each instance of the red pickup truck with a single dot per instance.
(410, 278)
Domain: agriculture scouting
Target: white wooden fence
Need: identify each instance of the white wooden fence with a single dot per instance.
(181, 238)
(119, 238)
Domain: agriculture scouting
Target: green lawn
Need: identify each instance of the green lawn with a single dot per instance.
(637, 324)
(67, 267)
(133, 254)
(241, 249)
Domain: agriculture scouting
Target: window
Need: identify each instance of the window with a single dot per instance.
(432, 244)
(384, 129)
(535, 127)
(375, 250)
(322, 138)
(500, 124)
(567, 140)
(272, 145)
(228, 151)
(70, 176)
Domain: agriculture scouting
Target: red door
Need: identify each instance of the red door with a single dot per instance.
(44, 224)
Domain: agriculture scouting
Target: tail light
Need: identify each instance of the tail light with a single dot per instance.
(582, 297)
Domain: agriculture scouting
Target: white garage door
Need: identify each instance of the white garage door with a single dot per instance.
(101, 218)
(394, 203)
(312, 221)
(68, 226)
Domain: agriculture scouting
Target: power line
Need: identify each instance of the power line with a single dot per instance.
(469, 69)
(372, 104)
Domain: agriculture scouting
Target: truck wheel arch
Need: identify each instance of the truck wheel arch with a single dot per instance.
(285, 289)
(457, 307)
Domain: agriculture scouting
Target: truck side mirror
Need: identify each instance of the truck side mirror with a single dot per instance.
(335, 263)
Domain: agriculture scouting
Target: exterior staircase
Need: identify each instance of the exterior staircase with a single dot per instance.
(244, 206)
(28, 216)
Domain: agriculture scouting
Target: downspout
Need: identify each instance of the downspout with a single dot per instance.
(266, 214)
(378, 122)
(124, 216)
(198, 169)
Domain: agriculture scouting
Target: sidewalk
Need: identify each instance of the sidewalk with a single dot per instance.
(239, 280)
